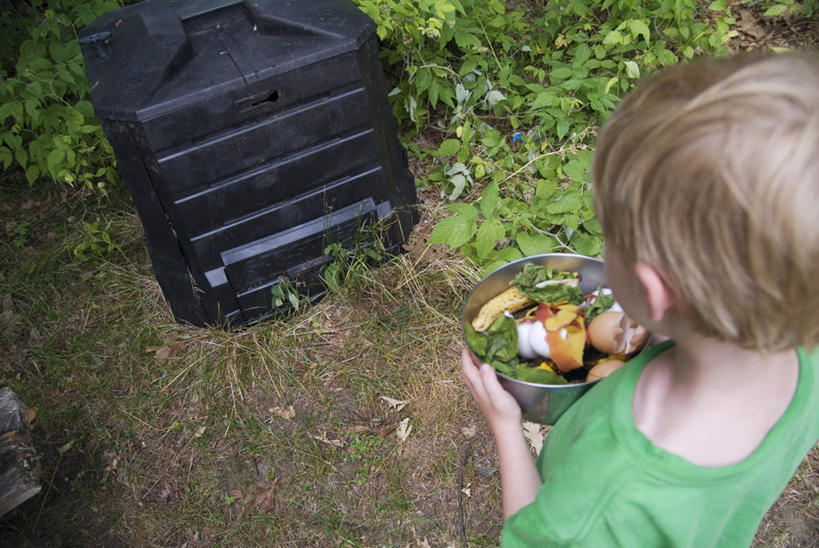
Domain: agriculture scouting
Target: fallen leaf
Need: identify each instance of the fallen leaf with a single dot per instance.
(284, 412)
(535, 434)
(398, 405)
(31, 414)
(199, 432)
(747, 24)
(469, 431)
(62, 450)
(358, 428)
(384, 431)
(323, 439)
(161, 353)
(404, 429)
(262, 498)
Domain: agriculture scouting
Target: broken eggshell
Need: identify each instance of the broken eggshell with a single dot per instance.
(613, 332)
(556, 332)
(603, 369)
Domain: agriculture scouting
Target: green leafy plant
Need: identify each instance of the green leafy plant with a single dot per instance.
(777, 8)
(285, 297)
(368, 249)
(362, 449)
(21, 231)
(517, 98)
(98, 242)
(47, 124)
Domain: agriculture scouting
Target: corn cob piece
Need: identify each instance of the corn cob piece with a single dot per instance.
(510, 300)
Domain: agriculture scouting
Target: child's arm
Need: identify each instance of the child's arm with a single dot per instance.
(519, 478)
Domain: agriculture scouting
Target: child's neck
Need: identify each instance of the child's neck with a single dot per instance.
(712, 402)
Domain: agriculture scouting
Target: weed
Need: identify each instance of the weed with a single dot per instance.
(97, 242)
(21, 236)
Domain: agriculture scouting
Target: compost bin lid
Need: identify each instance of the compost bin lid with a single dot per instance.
(151, 58)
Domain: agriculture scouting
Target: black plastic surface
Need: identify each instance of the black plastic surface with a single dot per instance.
(251, 134)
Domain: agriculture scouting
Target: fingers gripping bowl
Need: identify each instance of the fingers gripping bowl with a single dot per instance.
(541, 399)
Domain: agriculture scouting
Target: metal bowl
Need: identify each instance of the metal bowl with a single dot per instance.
(543, 403)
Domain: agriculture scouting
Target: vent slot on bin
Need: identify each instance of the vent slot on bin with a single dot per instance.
(262, 261)
(253, 190)
(208, 247)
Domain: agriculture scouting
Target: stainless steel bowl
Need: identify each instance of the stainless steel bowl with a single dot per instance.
(543, 403)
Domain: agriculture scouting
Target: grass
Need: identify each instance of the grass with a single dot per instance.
(153, 433)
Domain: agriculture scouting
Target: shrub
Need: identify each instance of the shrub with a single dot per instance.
(518, 96)
(47, 124)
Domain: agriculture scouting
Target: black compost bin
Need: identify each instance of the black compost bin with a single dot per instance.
(251, 135)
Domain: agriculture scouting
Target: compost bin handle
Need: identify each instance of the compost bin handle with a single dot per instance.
(99, 42)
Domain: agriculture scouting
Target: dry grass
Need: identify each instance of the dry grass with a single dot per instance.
(794, 520)
(152, 433)
(156, 434)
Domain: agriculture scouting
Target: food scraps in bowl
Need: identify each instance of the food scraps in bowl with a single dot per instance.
(544, 330)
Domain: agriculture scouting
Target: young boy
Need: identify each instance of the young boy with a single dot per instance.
(706, 183)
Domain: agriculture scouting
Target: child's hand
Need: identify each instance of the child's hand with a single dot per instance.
(498, 406)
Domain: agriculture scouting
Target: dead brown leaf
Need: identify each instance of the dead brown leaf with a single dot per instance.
(469, 431)
(535, 434)
(398, 405)
(747, 24)
(385, 431)
(262, 498)
(164, 352)
(284, 412)
(324, 439)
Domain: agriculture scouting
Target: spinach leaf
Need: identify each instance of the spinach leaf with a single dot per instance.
(528, 279)
(528, 373)
(498, 346)
(503, 340)
(476, 341)
(601, 304)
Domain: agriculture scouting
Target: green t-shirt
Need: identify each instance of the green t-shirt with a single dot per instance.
(606, 484)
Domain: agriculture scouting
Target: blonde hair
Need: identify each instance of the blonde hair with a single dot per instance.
(709, 171)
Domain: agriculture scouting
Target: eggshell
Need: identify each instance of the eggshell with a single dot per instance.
(615, 333)
(537, 339)
(602, 331)
(524, 346)
(603, 369)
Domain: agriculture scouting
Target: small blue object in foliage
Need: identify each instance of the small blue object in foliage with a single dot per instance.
(517, 137)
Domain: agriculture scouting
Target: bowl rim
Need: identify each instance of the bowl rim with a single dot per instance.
(528, 258)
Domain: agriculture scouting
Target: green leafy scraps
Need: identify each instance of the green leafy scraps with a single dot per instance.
(532, 275)
(601, 303)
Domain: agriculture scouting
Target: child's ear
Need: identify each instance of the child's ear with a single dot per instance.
(659, 295)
